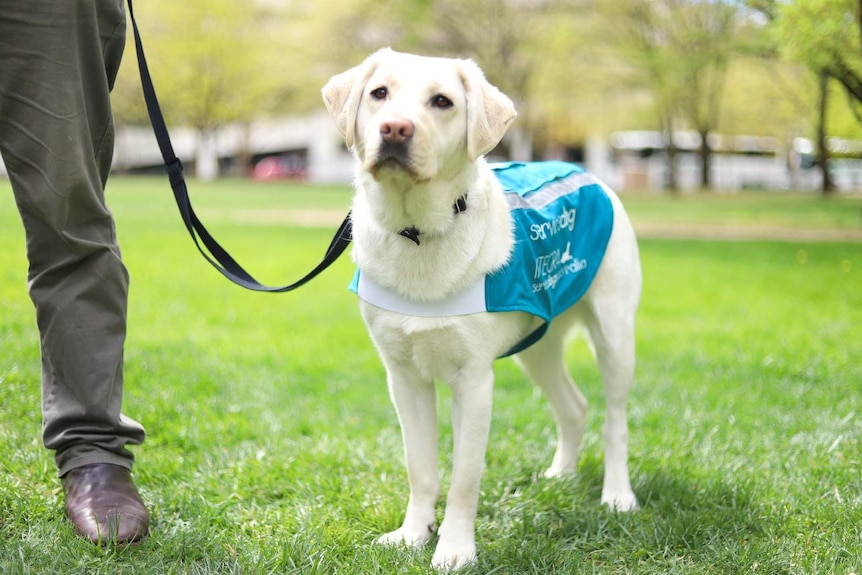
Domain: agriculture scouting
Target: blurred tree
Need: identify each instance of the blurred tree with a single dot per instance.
(579, 87)
(704, 41)
(641, 36)
(212, 62)
(681, 50)
(575, 68)
(826, 36)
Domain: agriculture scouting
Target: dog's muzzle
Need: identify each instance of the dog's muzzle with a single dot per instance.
(394, 155)
(396, 135)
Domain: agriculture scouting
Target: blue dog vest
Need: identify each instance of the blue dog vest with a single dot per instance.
(562, 219)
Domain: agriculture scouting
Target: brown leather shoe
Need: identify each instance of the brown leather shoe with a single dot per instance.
(103, 504)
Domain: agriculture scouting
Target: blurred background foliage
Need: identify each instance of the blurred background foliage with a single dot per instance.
(781, 68)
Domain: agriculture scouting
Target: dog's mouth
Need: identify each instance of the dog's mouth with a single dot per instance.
(393, 157)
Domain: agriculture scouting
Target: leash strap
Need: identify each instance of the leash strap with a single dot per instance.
(217, 256)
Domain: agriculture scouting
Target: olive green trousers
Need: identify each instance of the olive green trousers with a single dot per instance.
(58, 62)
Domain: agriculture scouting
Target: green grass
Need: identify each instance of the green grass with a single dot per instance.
(273, 447)
(751, 208)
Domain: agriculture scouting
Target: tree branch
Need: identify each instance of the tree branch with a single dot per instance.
(847, 77)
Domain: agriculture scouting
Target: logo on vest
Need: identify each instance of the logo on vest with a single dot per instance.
(565, 221)
(551, 268)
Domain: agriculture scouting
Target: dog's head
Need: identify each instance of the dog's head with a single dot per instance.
(416, 116)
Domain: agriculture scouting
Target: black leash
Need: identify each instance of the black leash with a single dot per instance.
(220, 259)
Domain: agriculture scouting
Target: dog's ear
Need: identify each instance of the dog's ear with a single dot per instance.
(489, 111)
(343, 93)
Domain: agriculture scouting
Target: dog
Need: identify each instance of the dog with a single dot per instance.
(431, 223)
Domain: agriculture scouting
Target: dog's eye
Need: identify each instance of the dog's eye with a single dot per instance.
(442, 102)
(379, 93)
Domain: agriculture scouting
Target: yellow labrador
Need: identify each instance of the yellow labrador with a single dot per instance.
(430, 223)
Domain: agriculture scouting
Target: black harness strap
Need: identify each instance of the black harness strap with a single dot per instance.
(217, 255)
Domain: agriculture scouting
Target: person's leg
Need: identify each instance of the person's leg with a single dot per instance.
(58, 61)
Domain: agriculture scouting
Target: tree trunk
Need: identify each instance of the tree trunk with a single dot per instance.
(828, 186)
(206, 161)
(705, 153)
(670, 148)
(672, 183)
(243, 154)
(520, 144)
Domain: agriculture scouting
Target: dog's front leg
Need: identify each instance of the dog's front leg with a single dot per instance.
(472, 396)
(415, 401)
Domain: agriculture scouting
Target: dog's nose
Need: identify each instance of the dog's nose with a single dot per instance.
(396, 130)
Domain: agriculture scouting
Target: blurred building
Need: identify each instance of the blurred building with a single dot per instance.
(303, 148)
(311, 149)
(638, 160)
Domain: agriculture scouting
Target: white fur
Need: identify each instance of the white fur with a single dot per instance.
(445, 162)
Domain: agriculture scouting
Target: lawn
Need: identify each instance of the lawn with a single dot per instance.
(273, 447)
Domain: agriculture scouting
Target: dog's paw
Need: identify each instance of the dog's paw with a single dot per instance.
(554, 471)
(620, 500)
(409, 537)
(452, 556)
(456, 546)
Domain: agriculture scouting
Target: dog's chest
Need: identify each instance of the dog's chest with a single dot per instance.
(439, 347)
(436, 347)
(563, 220)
